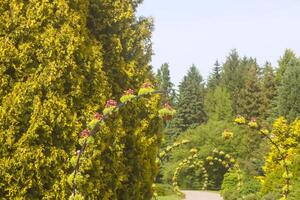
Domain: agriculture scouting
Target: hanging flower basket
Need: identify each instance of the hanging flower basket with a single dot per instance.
(128, 96)
(147, 88)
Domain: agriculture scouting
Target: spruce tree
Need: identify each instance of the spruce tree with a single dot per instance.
(232, 77)
(218, 104)
(268, 91)
(215, 77)
(283, 63)
(249, 97)
(190, 106)
(164, 83)
(287, 103)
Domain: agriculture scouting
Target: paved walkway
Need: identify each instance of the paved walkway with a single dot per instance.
(201, 195)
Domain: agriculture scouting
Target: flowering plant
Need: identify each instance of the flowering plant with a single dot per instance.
(240, 120)
(110, 107)
(146, 88)
(227, 134)
(167, 112)
(128, 95)
(253, 123)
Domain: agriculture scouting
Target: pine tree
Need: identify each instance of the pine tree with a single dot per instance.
(268, 91)
(164, 82)
(287, 103)
(218, 104)
(190, 106)
(215, 77)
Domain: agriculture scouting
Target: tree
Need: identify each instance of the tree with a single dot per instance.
(249, 97)
(215, 77)
(268, 91)
(190, 106)
(287, 103)
(283, 63)
(232, 77)
(218, 104)
(164, 82)
(60, 61)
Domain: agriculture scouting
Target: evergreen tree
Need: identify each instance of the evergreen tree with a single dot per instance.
(268, 91)
(215, 77)
(164, 82)
(249, 97)
(190, 106)
(60, 61)
(283, 63)
(218, 104)
(232, 77)
(287, 103)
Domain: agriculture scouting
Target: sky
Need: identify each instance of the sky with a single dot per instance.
(201, 31)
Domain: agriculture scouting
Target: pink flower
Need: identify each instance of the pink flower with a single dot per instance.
(98, 116)
(85, 133)
(129, 91)
(110, 103)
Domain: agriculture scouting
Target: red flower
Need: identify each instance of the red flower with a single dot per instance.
(129, 91)
(110, 103)
(85, 133)
(98, 116)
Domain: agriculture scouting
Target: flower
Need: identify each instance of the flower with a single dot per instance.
(98, 116)
(129, 91)
(110, 107)
(111, 103)
(227, 134)
(240, 120)
(85, 133)
(146, 88)
(253, 123)
(128, 95)
(167, 112)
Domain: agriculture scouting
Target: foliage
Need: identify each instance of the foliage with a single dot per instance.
(190, 106)
(214, 78)
(59, 59)
(286, 137)
(164, 82)
(246, 146)
(287, 103)
(284, 63)
(192, 162)
(249, 97)
(268, 91)
(218, 104)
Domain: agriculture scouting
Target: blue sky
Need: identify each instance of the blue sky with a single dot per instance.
(200, 31)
